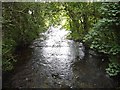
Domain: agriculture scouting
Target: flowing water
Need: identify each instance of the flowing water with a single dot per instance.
(57, 62)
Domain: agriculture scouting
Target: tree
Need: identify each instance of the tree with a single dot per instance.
(82, 17)
(20, 28)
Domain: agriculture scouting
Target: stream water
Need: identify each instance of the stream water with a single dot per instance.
(56, 62)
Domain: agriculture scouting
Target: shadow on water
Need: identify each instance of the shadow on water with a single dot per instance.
(56, 62)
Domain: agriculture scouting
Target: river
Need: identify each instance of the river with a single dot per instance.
(56, 62)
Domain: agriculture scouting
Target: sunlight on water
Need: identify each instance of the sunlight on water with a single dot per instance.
(57, 52)
(57, 45)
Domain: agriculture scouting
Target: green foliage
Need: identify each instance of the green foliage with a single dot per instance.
(103, 36)
(106, 34)
(113, 69)
(82, 17)
(7, 50)
(20, 28)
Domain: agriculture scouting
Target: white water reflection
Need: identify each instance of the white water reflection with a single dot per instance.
(56, 37)
(58, 52)
(57, 46)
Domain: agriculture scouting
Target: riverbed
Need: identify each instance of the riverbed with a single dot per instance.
(56, 62)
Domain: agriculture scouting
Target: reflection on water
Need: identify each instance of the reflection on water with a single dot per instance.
(56, 56)
(57, 62)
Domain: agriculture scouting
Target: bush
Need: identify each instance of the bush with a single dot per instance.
(106, 34)
(113, 69)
